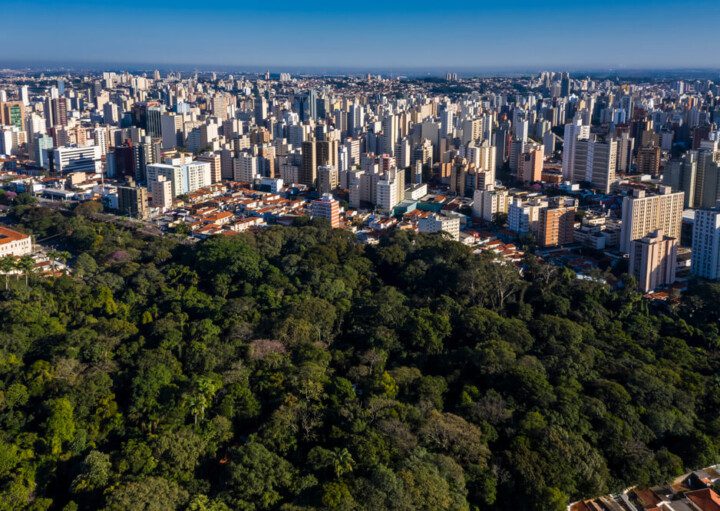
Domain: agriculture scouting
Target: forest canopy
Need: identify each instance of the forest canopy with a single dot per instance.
(296, 369)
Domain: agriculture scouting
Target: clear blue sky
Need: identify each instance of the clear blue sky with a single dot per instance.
(402, 34)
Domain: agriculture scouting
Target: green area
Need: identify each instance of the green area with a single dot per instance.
(295, 369)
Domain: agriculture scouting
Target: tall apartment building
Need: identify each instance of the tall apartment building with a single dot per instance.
(681, 176)
(573, 132)
(524, 215)
(643, 214)
(706, 244)
(489, 202)
(327, 179)
(557, 222)
(328, 208)
(653, 260)
(602, 163)
(214, 160)
(308, 168)
(390, 190)
(133, 201)
(648, 160)
(162, 193)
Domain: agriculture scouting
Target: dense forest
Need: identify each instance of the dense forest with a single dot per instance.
(296, 369)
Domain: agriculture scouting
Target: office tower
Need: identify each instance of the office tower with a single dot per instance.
(557, 222)
(308, 168)
(153, 123)
(327, 208)
(643, 214)
(133, 201)
(12, 113)
(653, 259)
(648, 160)
(573, 132)
(74, 159)
(706, 244)
(42, 144)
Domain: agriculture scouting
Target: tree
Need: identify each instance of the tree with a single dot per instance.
(26, 265)
(7, 265)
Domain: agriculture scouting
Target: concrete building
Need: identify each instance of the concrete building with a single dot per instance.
(328, 208)
(133, 201)
(438, 223)
(557, 222)
(13, 243)
(161, 191)
(643, 214)
(653, 261)
(706, 244)
(74, 159)
(488, 203)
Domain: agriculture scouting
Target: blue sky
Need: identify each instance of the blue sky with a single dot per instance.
(403, 34)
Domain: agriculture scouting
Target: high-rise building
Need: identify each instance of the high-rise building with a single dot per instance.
(308, 168)
(133, 201)
(530, 164)
(488, 203)
(681, 176)
(648, 160)
(12, 113)
(573, 132)
(74, 159)
(644, 214)
(706, 244)
(214, 160)
(328, 208)
(653, 260)
(602, 162)
(557, 222)
(162, 193)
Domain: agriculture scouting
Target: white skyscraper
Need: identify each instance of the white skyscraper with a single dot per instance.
(573, 132)
(706, 244)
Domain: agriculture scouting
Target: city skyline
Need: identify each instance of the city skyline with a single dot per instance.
(402, 36)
